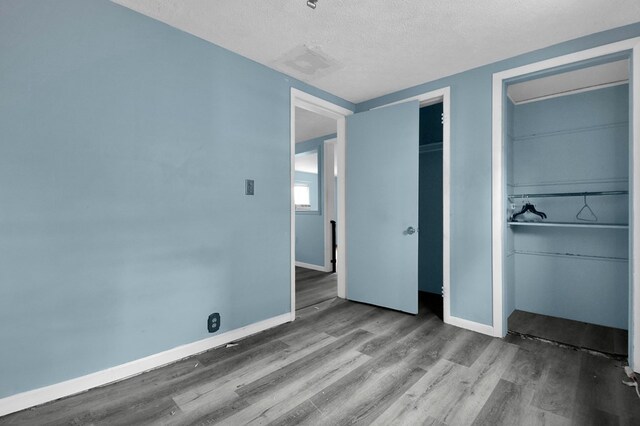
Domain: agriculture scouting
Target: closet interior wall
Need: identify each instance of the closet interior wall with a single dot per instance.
(569, 268)
(430, 278)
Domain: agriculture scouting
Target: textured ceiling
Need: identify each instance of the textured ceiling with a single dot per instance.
(310, 125)
(359, 50)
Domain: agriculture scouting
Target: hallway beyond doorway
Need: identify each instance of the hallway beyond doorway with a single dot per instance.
(313, 287)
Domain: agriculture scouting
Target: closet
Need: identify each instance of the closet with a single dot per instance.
(567, 240)
(430, 206)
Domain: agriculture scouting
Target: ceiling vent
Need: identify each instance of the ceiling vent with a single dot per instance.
(306, 63)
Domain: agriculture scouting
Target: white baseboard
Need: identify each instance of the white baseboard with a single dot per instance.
(314, 267)
(471, 325)
(28, 399)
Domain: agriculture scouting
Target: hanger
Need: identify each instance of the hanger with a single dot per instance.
(528, 207)
(590, 215)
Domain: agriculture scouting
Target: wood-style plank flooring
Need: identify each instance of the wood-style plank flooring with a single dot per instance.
(342, 362)
(607, 340)
(313, 287)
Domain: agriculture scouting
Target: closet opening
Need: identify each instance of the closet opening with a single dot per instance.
(430, 209)
(567, 155)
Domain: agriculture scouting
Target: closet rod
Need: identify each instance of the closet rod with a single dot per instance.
(569, 194)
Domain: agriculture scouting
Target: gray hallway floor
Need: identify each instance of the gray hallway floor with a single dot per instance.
(342, 362)
(313, 287)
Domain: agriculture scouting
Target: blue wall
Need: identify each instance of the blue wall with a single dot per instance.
(471, 285)
(310, 228)
(124, 222)
(310, 225)
(123, 165)
(430, 200)
(573, 143)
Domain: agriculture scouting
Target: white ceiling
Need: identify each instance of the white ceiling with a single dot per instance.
(307, 162)
(310, 125)
(568, 82)
(359, 50)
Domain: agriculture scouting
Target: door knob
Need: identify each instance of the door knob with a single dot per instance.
(410, 230)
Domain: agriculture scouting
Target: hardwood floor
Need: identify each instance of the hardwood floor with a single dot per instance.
(313, 287)
(607, 340)
(342, 362)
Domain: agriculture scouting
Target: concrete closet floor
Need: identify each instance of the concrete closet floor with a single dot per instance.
(343, 362)
(607, 340)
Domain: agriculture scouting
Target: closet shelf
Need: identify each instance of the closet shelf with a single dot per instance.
(571, 255)
(569, 194)
(572, 225)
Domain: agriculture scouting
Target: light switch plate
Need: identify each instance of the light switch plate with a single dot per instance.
(248, 187)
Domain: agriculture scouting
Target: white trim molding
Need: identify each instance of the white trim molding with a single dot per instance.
(471, 325)
(341, 152)
(313, 267)
(292, 206)
(39, 396)
(634, 241)
(446, 205)
(498, 182)
(328, 159)
(300, 99)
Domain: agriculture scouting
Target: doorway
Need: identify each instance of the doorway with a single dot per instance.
(320, 117)
(503, 244)
(314, 195)
(368, 158)
(441, 296)
(430, 235)
(567, 238)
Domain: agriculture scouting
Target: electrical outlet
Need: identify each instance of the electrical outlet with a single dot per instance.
(249, 187)
(213, 323)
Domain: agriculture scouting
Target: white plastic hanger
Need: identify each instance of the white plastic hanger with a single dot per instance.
(585, 213)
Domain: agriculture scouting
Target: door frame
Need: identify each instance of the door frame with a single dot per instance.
(330, 187)
(428, 98)
(304, 100)
(631, 46)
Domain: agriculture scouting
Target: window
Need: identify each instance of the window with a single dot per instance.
(306, 183)
(302, 196)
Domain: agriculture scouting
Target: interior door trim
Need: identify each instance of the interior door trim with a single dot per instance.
(304, 100)
(429, 98)
(631, 46)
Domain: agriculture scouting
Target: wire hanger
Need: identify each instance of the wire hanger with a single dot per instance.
(589, 215)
